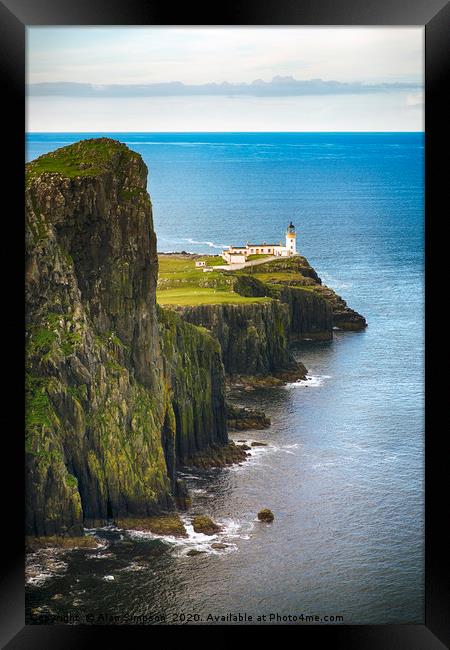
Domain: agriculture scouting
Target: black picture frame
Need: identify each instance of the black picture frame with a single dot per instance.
(15, 15)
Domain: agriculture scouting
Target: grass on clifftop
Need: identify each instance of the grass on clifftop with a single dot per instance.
(292, 271)
(181, 283)
(259, 256)
(197, 296)
(83, 158)
(185, 264)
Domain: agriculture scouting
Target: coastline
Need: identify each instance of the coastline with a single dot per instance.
(318, 467)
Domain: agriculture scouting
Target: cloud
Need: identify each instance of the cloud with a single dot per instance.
(197, 55)
(279, 86)
(415, 100)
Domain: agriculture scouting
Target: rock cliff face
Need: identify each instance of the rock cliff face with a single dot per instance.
(254, 337)
(116, 393)
(296, 272)
(310, 316)
(195, 378)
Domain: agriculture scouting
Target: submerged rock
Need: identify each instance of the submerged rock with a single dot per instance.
(53, 541)
(194, 552)
(241, 419)
(219, 545)
(259, 444)
(182, 497)
(265, 515)
(218, 456)
(205, 525)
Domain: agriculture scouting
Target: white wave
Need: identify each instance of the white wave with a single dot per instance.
(134, 567)
(259, 457)
(358, 447)
(46, 563)
(42, 565)
(230, 531)
(211, 244)
(324, 464)
(335, 284)
(312, 381)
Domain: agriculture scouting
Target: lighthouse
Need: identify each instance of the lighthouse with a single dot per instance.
(291, 240)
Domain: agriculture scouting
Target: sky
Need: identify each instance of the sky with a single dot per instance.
(225, 79)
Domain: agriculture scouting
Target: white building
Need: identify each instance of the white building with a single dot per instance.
(239, 254)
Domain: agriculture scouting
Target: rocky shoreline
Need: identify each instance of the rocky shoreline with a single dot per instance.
(241, 419)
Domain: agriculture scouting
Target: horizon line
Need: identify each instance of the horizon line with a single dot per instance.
(218, 132)
(278, 86)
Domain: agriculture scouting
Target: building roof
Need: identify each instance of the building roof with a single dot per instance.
(278, 245)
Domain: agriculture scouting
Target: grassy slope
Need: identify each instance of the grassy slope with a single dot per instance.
(84, 158)
(200, 296)
(260, 256)
(293, 271)
(181, 283)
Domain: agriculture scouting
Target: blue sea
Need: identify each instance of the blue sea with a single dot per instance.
(343, 471)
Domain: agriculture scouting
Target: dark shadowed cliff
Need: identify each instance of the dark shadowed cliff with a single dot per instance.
(116, 394)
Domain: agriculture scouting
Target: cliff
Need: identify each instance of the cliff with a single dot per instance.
(256, 313)
(195, 378)
(297, 273)
(117, 392)
(254, 337)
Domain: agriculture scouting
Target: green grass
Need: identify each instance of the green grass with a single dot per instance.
(85, 158)
(183, 267)
(176, 271)
(198, 296)
(181, 283)
(212, 260)
(276, 275)
(260, 256)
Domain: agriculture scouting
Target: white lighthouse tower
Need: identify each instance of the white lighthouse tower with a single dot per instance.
(291, 238)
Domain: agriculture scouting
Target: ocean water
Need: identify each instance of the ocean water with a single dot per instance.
(343, 471)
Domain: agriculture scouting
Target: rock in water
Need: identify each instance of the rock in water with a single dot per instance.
(194, 552)
(205, 525)
(168, 524)
(265, 515)
(182, 498)
(240, 419)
